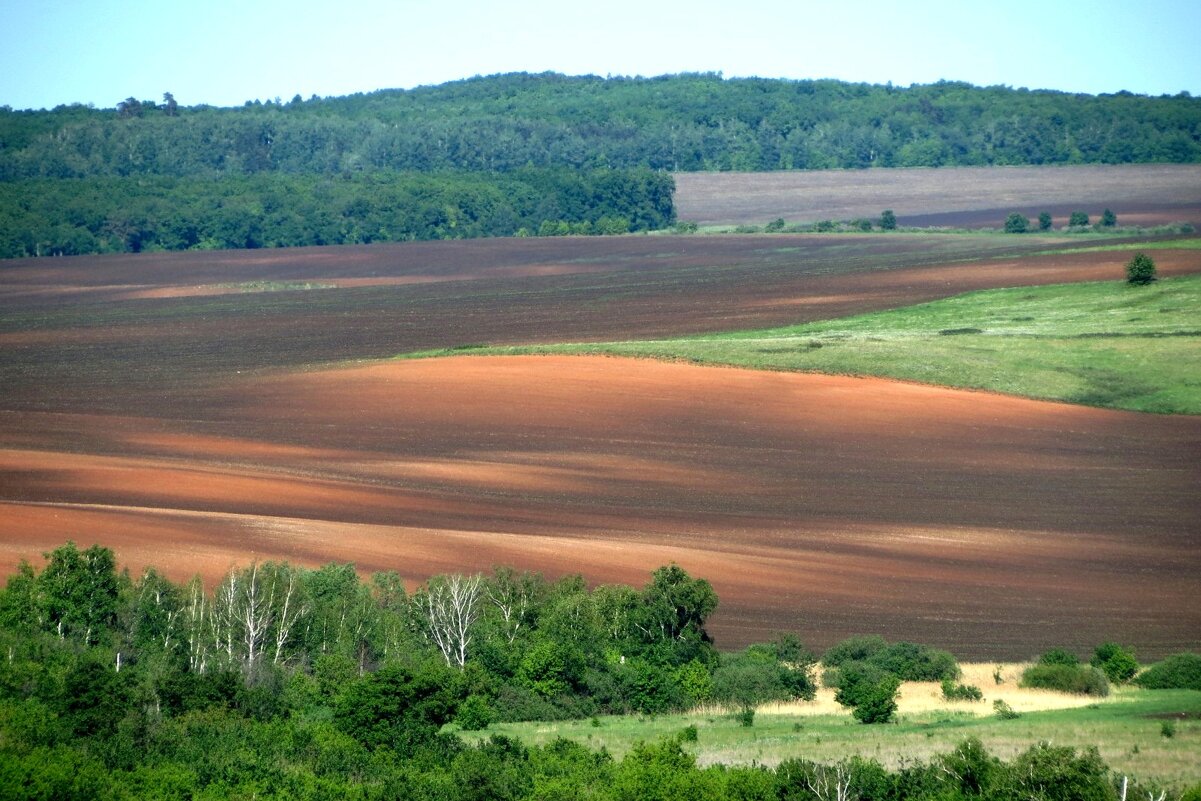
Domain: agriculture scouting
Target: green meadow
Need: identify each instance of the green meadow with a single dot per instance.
(1105, 344)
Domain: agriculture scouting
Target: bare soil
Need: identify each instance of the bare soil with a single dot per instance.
(968, 197)
(196, 431)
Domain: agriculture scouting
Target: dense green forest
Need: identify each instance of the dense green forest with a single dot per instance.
(671, 123)
(45, 217)
(509, 154)
(282, 682)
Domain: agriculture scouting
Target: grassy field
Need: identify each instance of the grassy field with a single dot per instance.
(1099, 344)
(1127, 727)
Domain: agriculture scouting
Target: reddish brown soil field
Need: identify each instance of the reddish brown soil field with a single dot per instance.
(195, 431)
(971, 197)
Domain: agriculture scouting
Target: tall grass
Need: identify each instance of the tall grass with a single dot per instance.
(1126, 727)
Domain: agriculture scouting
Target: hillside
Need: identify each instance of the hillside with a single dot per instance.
(671, 123)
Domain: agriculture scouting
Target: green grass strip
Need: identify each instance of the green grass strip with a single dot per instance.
(1100, 344)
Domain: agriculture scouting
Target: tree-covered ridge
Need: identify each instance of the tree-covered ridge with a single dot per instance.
(673, 123)
(41, 217)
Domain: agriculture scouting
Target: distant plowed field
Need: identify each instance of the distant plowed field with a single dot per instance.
(200, 410)
(972, 197)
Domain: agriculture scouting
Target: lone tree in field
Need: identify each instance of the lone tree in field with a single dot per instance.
(1016, 224)
(1108, 219)
(1077, 219)
(1140, 269)
(888, 220)
(1044, 221)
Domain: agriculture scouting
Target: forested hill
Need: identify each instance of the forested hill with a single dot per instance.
(671, 123)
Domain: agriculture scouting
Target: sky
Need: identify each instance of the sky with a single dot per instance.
(225, 52)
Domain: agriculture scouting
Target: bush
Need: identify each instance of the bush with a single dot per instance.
(1016, 224)
(1117, 663)
(1056, 773)
(1079, 679)
(1004, 711)
(474, 713)
(1140, 270)
(1108, 219)
(775, 226)
(1078, 218)
(960, 692)
(908, 661)
(1177, 672)
(888, 220)
(854, 649)
(871, 693)
(1044, 221)
(913, 662)
(1058, 656)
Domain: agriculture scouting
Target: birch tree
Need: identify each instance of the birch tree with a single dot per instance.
(451, 606)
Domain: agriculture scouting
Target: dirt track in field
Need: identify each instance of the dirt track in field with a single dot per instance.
(824, 505)
(970, 197)
(146, 405)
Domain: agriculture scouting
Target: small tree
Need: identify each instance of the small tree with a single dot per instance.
(1078, 218)
(775, 226)
(870, 693)
(1117, 663)
(1016, 224)
(1140, 269)
(1044, 221)
(1108, 219)
(888, 220)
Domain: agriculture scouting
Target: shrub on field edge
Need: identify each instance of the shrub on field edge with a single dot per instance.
(869, 692)
(908, 661)
(1078, 679)
(1117, 663)
(1177, 672)
(1016, 224)
(1004, 711)
(960, 692)
(1058, 656)
(1140, 270)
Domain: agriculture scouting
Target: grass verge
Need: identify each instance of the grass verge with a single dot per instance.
(1103, 344)
(1126, 728)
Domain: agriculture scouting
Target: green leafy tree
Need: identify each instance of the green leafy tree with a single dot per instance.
(868, 691)
(1116, 662)
(1016, 223)
(888, 220)
(1078, 219)
(1140, 270)
(79, 592)
(1044, 221)
(396, 707)
(1108, 219)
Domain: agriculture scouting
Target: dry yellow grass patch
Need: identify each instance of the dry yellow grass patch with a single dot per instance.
(924, 696)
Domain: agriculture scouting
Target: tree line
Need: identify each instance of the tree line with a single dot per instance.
(686, 122)
(282, 682)
(45, 217)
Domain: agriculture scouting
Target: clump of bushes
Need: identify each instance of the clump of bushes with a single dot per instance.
(907, 661)
(1177, 672)
(1117, 663)
(960, 692)
(1061, 671)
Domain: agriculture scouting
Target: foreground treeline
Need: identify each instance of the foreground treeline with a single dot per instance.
(281, 682)
(43, 217)
(673, 123)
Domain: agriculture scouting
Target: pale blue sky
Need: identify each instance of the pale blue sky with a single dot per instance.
(224, 52)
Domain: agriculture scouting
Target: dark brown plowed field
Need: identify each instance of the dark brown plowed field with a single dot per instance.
(969, 197)
(145, 406)
(992, 525)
